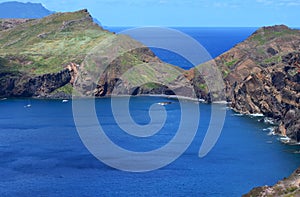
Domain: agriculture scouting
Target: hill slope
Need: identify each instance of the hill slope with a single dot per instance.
(262, 75)
(48, 57)
(33, 52)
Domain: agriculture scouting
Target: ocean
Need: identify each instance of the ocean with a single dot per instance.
(216, 40)
(42, 154)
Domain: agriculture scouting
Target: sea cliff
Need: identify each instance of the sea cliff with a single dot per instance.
(45, 58)
(262, 76)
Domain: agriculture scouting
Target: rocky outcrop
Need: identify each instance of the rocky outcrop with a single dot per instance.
(20, 85)
(11, 23)
(287, 187)
(134, 72)
(262, 75)
(17, 85)
(34, 52)
(274, 92)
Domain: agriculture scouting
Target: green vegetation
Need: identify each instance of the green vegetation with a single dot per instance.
(291, 189)
(49, 43)
(261, 39)
(46, 45)
(261, 51)
(68, 89)
(156, 73)
(265, 35)
(225, 73)
(293, 72)
(202, 86)
(274, 59)
(151, 85)
(231, 63)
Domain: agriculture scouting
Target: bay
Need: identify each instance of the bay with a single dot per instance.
(41, 154)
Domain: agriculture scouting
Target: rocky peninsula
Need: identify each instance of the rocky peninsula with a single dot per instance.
(45, 58)
(42, 58)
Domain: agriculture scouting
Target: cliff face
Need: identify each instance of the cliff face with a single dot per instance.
(18, 85)
(35, 54)
(135, 72)
(274, 92)
(262, 75)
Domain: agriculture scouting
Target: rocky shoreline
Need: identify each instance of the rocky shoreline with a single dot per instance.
(286, 187)
(261, 74)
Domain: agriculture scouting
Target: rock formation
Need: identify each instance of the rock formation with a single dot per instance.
(287, 187)
(10, 23)
(16, 85)
(262, 75)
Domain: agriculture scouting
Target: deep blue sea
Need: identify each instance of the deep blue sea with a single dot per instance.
(216, 40)
(41, 153)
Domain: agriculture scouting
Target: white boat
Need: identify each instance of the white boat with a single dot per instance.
(65, 101)
(269, 121)
(256, 115)
(164, 103)
(285, 140)
(237, 114)
(221, 102)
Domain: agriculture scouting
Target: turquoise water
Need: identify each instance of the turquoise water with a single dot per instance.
(41, 154)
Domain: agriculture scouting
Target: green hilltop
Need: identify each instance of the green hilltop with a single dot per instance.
(36, 47)
(42, 46)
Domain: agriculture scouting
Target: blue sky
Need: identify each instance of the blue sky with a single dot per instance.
(203, 13)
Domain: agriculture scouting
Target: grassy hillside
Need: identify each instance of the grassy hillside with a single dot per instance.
(37, 47)
(43, 45)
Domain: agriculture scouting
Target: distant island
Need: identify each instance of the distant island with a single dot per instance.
(14, 9)
(42, 58)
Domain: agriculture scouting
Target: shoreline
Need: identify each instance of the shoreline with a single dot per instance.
(266, 120)
(71, 97)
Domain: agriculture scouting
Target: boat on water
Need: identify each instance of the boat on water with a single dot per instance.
(256, 115)
(164, 103)
(285, 140)
(201, 100)
(65, 101)
(221, 102)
